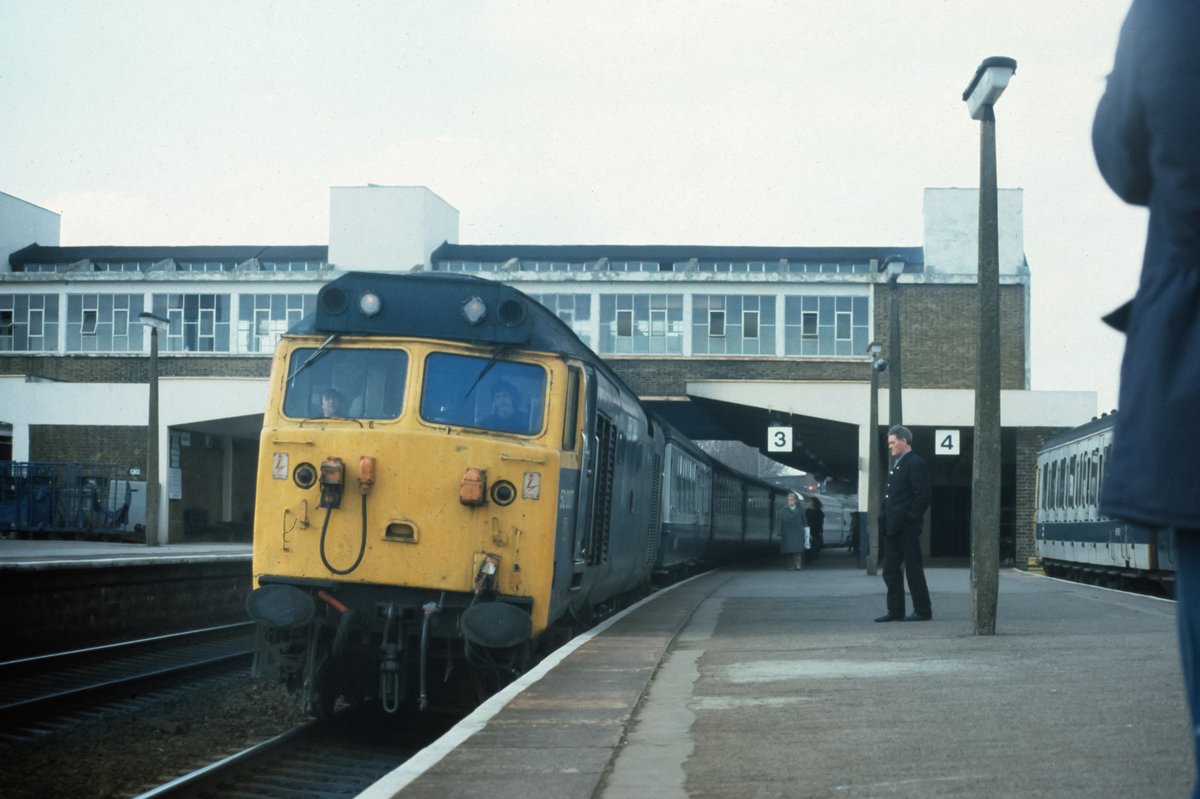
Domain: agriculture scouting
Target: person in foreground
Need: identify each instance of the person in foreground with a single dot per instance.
(904, 508)
(1146, 136)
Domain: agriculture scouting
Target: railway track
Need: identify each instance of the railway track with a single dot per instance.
(37, 690)
(322, 760)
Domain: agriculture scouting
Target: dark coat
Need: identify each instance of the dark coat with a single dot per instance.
(908, 495)
(1146, 136)
(791, 531)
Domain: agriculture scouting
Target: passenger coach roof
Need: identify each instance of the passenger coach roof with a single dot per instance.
(1084, 430)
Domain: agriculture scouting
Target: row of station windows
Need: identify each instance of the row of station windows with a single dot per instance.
(243, 323)
(718, 324)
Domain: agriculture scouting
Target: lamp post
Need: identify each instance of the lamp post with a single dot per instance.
(153, 496)
(981, 95)
(893, 267)
(870, 523)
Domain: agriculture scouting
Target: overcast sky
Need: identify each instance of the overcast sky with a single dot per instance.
(804, 123)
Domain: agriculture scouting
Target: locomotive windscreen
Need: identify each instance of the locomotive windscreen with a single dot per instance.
(345, 383)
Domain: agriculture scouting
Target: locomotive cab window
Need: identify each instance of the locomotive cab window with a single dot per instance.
(345, 383)
(506, 396)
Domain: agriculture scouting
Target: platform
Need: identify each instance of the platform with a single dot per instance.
(774, 683)
(16, 553)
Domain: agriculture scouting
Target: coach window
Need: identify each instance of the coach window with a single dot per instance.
(354, 383)
(469, 391)
(1081, 491)
(1094, 477)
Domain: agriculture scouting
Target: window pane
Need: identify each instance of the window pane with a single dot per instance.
(358, 384)
(479, 392)
(750, 324)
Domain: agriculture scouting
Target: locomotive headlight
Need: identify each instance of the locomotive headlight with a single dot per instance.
(474, 310)
(369, 303)
(305, 475)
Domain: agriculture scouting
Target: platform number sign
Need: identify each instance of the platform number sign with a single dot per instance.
(779, 439)
(946, 442)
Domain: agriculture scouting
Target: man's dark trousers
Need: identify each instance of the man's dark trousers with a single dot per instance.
(905, 548)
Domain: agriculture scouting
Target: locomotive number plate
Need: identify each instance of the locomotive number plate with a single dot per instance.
(531, 486)
(279, 466)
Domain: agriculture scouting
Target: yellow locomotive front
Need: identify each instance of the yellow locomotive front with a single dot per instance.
(406, 515)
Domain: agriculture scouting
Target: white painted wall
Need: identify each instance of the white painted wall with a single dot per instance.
(387, 228)
(23, 223)
(181, 401)
(952, 231)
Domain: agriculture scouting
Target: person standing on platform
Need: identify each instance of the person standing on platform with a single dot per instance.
(815, 517)
(791, 532)
(1146, 137)
(904, 507)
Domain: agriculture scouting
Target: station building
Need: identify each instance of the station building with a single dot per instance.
(725, 342)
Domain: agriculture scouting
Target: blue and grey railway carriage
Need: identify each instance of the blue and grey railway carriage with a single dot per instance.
(1073, 538)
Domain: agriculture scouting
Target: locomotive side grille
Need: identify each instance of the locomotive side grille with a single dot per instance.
(606, 467)
(654, 531)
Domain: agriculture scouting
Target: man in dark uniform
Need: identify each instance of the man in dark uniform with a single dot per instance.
(904, 507)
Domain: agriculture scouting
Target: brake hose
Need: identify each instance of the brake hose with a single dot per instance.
(362, 547)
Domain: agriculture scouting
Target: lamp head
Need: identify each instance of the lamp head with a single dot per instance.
(988, 84)
(874, 348)
(892, 266)
(156, 322)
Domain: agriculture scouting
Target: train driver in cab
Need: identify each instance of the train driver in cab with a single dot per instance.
(503, 415)
(333, 404)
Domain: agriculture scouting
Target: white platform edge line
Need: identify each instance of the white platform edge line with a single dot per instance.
(395, 781)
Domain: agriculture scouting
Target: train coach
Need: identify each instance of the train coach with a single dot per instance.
(447, 475)
(1073, 538)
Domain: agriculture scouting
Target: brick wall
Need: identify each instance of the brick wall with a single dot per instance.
(129, 368)
(120, 445)
(51, 611)
(1029, 441)
(939, 334)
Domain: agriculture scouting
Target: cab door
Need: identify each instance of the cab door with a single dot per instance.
(575, 486)
(585, 499)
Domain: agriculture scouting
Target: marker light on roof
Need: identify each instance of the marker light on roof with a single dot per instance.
(369, 303)
(474, 310)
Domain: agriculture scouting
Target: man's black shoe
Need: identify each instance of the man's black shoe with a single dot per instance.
(890, 617)
(918, 617)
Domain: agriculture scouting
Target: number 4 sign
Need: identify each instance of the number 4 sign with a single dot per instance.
(946, 442)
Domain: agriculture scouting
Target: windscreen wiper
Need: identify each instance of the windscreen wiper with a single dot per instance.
(307, 361)
(487, 367)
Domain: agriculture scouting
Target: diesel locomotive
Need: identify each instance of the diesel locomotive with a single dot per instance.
(448, 477)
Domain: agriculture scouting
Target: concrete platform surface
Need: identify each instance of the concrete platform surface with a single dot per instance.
(774, 683)
(16, 553)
